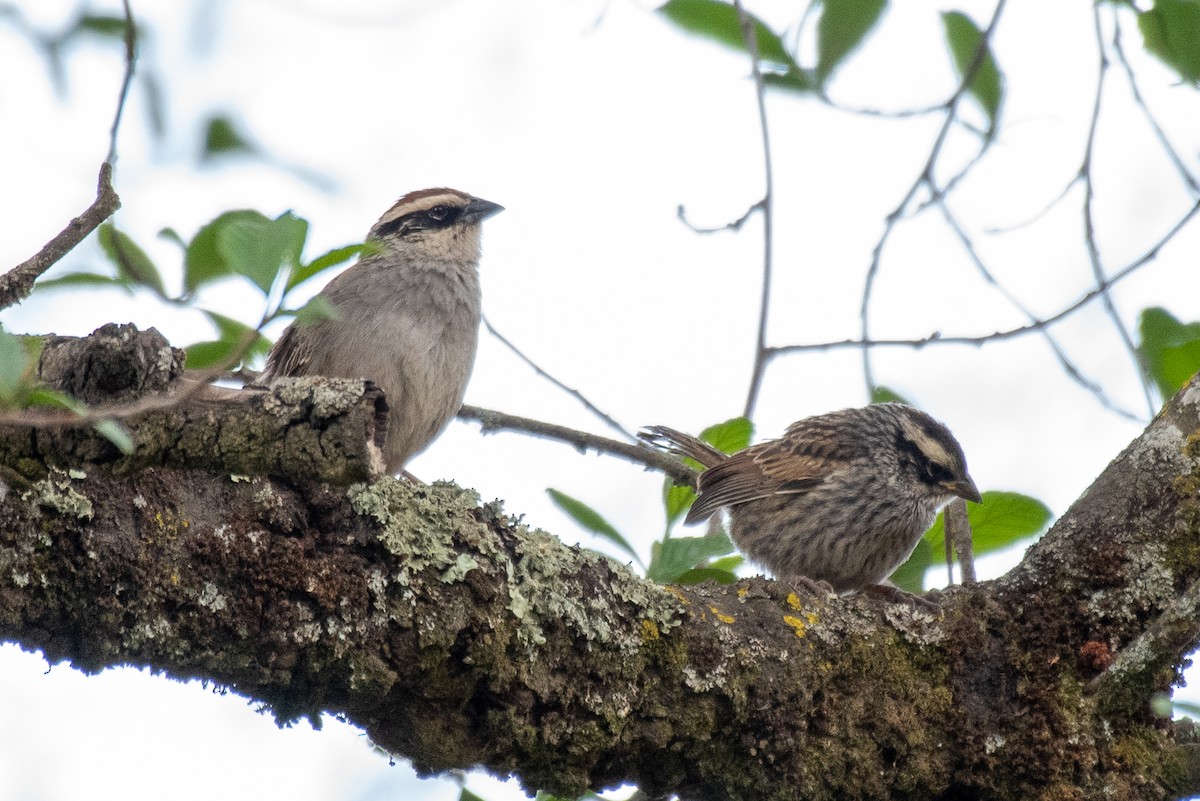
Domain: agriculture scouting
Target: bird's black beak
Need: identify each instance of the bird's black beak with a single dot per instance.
(479, 209)
(964, 488)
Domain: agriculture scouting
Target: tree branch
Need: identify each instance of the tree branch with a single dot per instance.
(493, 421)
(457, 638)
(17, 283)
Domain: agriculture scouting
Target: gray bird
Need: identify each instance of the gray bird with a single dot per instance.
(407, 317)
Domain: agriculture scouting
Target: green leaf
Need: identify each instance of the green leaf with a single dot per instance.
(730, 436)
(1171, 31)
(1004, 518)
(718, 22)
(15, 369)
(171, 235)
(259, 249)
(326, 260)
(117, 434)
(842, 27)
(1184, 708)
(233, 336)
(131, 261)
(82, 279)
(221, 138)
(965, 38)
(203, 355)
(797, 80)
(591, 520)
(885, 395)
(671, 558)
(466, 795)
(730, 563)
(106, 26)
(1170, 349)
(700, 574)
(42, 396)
(677, 499)
(204, 263)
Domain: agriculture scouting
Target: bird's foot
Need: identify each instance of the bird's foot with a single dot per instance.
(894, 595)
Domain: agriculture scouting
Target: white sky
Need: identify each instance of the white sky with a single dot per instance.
(591, 133)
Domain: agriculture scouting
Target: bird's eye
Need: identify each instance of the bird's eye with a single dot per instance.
(439, 213)
(938, 473)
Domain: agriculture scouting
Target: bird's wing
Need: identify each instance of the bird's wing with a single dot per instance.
(805, 456)
(289, 356)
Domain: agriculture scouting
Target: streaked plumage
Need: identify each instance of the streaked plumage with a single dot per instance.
(842, 497)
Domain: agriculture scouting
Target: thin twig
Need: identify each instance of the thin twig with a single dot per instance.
(761, 354)
(924, 179)
(582, 441)
(17, 283)
(736, 225)
(576, 394)
(938, 339)
(1185, 174)
(130, 60)
(1064, 361)
(958, 536)
(1089, 228)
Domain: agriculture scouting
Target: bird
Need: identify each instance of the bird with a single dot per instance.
(405, 316)
(841, 499)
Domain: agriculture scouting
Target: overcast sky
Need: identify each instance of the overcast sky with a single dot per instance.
(592, 122)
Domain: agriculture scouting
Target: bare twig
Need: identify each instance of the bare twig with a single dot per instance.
(1089, 229)
(574, 393)
(925, 179)
(17, 283)
(761, 353)
(1064, 361)
(938, 339)
(736, 225)
(1185, 174)
(958, 537)
(130, 60)
(582, 441)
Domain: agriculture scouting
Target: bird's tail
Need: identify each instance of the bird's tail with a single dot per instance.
(672, 441)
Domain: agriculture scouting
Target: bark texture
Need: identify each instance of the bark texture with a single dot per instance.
(457, 637)
(308, 429)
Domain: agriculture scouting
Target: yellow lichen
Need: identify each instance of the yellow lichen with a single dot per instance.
(797, 624)
(793, 600)
(727, 619)
(650, 631)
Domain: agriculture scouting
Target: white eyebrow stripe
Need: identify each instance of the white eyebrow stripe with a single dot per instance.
(934, 450)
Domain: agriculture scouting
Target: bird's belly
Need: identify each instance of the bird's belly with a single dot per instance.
(796, 535)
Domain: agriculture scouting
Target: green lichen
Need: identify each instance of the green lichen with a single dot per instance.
(420, 523)
(55, 492)
(537, 597)
(443, 527)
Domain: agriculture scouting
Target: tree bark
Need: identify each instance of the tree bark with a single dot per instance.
(457, 637)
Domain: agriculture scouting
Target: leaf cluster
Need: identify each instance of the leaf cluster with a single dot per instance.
(267, 253)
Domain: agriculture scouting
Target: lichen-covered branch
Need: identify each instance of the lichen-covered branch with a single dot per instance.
(456, 637)
(328, 430)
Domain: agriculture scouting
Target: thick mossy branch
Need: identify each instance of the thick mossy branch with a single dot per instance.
(456, 637)
(305, 429)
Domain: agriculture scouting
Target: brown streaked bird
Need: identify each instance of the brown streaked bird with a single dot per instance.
(841, 498)
(407, 317)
